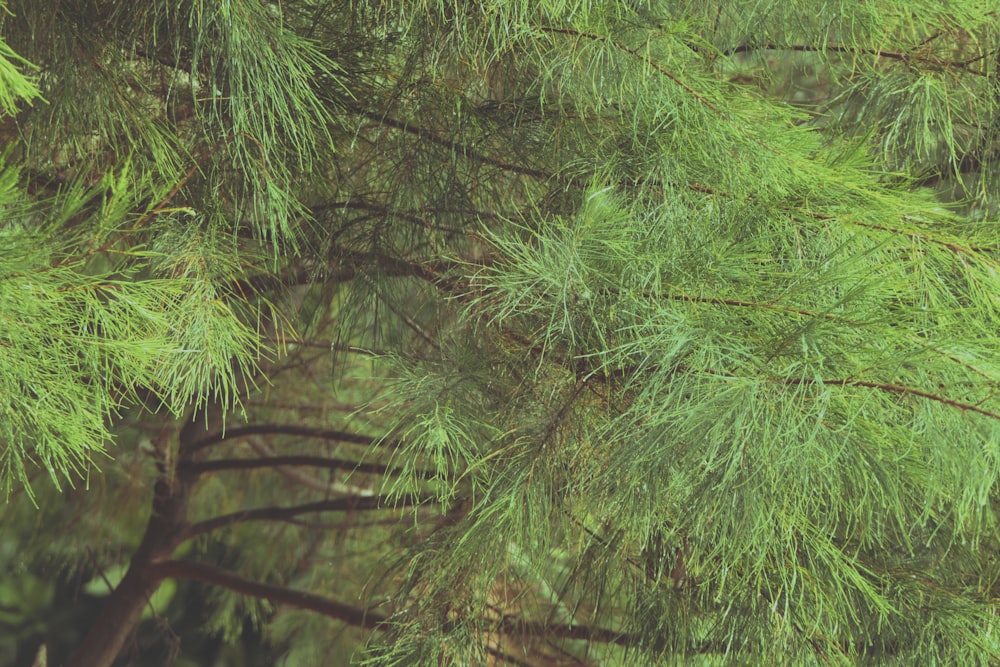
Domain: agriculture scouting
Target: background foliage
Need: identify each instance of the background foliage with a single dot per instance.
(503, 332)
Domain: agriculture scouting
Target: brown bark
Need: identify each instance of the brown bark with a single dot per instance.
(164, 531)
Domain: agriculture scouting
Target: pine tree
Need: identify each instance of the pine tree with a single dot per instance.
(507, 332)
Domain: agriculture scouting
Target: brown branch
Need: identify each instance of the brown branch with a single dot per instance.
(328, 487)
(347, 265)
(372, 619)
(894, 388)
(217, 576)
(577, 365)
(889, 387)
(295, 431)
(326, 345)
(882, 386)
(356, 616)
(454, 146)
(346, 504)
(878, 53)
(309, 461)
(923, 236)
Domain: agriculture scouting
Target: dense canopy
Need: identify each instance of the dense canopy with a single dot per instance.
(511, 332)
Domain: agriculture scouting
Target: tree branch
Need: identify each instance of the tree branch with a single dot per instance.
(357, 616)
(894, 388)
(217, 576)
(347, 504)
(454, 146)
(878, 53)
(296, 431)
(295, 460)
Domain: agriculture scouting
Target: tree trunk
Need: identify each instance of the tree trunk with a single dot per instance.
(117, 620)
(164, 532)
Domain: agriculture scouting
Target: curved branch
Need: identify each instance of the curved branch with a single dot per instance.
(346, 504)
(217, 576)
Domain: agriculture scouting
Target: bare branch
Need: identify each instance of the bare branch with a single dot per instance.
(217, 576)
(346, 504)
(295, 460)
(296, 431)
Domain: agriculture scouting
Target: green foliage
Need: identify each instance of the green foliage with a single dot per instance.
(14, 86)
(82, 336)
(653, 323)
